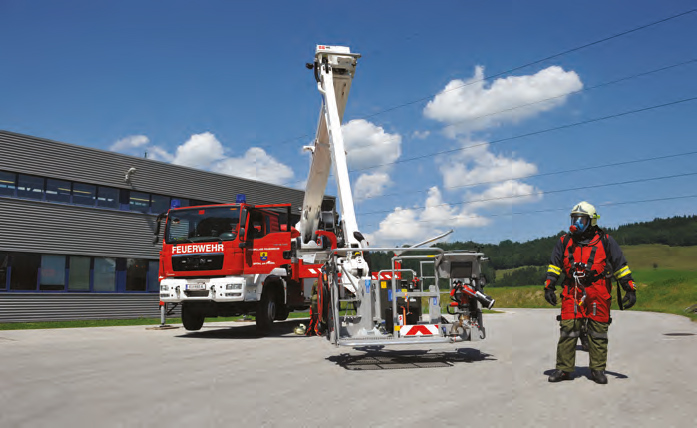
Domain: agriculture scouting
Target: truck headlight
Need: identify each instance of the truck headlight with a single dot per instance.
(163, 288)
(233, 286)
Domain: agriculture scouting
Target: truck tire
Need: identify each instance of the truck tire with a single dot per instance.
(282, 313)
(191, 319)
(266, 310)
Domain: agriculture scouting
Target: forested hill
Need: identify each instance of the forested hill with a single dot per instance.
(675, 231)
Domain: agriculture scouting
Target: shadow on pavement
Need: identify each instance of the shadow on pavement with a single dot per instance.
(381, 359)
(586, 372)
(246, 331)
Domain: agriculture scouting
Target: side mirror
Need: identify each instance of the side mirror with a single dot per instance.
(243, 245)
(242, 235)
(154, 241)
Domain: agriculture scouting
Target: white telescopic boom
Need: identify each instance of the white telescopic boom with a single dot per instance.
(334, 70)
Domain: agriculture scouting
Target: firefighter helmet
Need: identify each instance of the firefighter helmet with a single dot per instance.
(300, 329)
(583, 215)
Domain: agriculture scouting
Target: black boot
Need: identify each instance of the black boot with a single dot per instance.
(598, 377)
(558, 376)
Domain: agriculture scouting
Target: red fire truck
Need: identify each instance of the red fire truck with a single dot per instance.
(233, 259)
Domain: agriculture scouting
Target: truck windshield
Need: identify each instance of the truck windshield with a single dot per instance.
(205, 224)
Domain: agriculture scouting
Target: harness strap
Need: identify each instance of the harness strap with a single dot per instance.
(573, 333)
(597, 334)
(589, 263)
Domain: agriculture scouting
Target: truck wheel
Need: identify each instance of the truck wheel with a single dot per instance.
(191, 319)
(266, 311)
(282, 313)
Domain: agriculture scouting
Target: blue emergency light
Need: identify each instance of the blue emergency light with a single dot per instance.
(176, 203)
(241, 198)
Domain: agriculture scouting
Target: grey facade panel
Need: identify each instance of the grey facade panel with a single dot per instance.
(31, 155)
(28, 307)
(43, 227)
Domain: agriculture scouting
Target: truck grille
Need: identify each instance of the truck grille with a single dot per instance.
(200, 262)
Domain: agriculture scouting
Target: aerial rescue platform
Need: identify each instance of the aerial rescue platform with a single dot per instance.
(386, 307)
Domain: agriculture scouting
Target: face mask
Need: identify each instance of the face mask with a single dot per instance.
(578, 224)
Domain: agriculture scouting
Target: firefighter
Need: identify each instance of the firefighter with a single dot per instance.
(589, 258)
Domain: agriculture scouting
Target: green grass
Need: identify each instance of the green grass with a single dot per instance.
(501, 272)
(113, 323)
(658, 290)
(642, 257)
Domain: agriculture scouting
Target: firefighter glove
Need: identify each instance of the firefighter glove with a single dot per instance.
(628, 285)
(629, 299)
(550, 296)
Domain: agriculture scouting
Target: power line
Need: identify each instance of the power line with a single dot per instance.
(543, 131)
(586, 168)
(549, 210)
(590, 88)
(605, 39)
(543, 192)
(568, 51)
(516, 107)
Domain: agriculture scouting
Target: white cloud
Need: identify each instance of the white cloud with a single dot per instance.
(139, 145)
(420, 135)
(256, 164)
(204, 151)
(128, 144)
(200, 151)
(368, 145)
(160, 154)
(509, 192)
(413, 225)
(476, 164)
(470, 105)
(370, 185)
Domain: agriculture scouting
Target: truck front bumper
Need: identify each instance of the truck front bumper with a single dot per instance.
(227, 289)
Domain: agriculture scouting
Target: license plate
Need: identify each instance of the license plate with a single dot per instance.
(195, 286)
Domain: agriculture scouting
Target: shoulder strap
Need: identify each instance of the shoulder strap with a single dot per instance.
(565, 241)
(604, 237)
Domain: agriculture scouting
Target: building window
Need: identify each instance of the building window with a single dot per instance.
(8, 183)
(136, 274)
(160, 204)
(84, 194)
(139, 202)
(52, 273)
(4, 264)
(153, 275)
(79, 276)
(67, 192)
(104, 274)
(58, 191)
(108, 197)
(31, 187)
(24, 273)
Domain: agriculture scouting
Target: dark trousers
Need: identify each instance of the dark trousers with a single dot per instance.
(570, 331)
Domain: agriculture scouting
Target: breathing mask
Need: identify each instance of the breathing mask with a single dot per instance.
(579, 224)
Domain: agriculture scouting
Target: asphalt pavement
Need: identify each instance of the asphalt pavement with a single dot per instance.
(226, 375)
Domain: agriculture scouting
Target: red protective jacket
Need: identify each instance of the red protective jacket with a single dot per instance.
(588, 265)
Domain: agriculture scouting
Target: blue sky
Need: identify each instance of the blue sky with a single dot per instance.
(221, 85)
